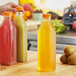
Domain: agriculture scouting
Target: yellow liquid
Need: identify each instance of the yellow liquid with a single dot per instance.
(46, 47)
(21, 39)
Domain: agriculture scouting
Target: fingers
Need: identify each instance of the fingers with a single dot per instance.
(12, 10)
(13, 5)
(9, 7)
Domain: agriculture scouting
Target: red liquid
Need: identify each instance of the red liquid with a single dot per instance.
(7, 42)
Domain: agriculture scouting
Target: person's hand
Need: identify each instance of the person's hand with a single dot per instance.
(9, 7)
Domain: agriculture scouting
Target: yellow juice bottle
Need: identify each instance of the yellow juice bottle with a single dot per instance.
(46, 45)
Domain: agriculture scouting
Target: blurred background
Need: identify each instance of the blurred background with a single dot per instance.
(63, 18)
(46, 5)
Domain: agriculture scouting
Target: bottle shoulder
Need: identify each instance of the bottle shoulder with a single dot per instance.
(7, 22)
(19, 21)
(46, 25)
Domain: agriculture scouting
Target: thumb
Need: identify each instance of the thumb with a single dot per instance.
(12, 10)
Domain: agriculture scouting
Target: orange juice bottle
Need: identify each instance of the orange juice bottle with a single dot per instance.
(46, 45)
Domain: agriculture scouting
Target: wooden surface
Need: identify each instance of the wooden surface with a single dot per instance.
(29, 68)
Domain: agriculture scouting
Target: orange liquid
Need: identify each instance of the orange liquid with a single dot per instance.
(46, 47)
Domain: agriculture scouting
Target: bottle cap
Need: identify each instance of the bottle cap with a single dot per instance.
(20, 9)
(7, 13)
(13, 16)
(46, 15)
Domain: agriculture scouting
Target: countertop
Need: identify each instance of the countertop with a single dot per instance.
(29, 68)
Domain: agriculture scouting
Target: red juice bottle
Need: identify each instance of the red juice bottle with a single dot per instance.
(8, 41)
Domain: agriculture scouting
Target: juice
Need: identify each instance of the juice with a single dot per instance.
(46, 45)
(8, 41)
(21, 36)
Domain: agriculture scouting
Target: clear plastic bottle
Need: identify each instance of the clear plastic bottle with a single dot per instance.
(8, 49)
(21, 35)
(46, 45)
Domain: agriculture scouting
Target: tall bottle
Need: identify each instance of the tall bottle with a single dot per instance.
(21, 35)
(46, 45)
(8, 41)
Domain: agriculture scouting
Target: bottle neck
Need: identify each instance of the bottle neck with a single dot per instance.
(47, 19)
(8, 17)
(19, 13)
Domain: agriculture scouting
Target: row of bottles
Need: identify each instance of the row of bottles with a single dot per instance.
(13, 41)
(13, 38)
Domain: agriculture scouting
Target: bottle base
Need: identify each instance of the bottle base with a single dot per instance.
(45, 70)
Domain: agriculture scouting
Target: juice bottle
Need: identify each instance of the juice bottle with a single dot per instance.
(8, 41)
(46, 45)
(21, 35)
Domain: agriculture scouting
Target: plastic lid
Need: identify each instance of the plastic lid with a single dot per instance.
(7, 13)
(20, 9)
(46, 15)
(13, 16)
